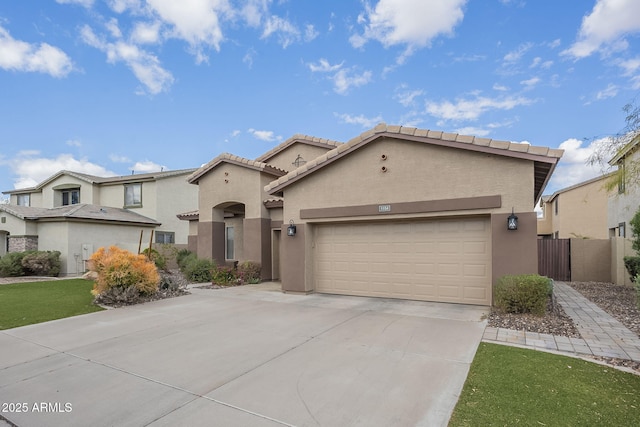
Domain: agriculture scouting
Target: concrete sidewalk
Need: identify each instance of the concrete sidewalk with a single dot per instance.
(602, 335)
(247, 356)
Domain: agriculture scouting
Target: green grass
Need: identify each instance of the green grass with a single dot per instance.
(512, 386)
(34, 302)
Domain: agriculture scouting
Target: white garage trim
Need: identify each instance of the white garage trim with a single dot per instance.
(431, 260)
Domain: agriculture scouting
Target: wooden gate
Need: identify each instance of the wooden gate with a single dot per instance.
(554, 258)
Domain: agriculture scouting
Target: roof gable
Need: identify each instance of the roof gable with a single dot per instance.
(234, 160)
(298, 139)
(545, 159)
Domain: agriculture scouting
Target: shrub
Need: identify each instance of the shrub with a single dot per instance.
(158, 259)
(11, 264)
(224, 276)
(123, 274)
(526, 293)
(41, 263)
(632, 264)
(198, 270)
(249, 272)
(183, 257)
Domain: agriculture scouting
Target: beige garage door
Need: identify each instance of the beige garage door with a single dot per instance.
(437, 260)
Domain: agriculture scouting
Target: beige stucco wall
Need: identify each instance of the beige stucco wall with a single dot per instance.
(233, 183)
(68, 238)
(545, 223)
(51, 198)
(162, 200)
(591, 260)
(284, 159)
(582, 212)
(415, 172)
(620, 248)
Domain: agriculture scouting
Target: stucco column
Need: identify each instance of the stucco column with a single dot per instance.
(292, 260)
(211, 238)
(257, 243)
(514, 251)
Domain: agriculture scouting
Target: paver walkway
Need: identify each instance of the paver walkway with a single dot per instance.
(602, 335)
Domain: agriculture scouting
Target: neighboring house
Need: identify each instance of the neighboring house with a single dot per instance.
(76, 213)
(624, 202)
(396, 212)
(579, 211)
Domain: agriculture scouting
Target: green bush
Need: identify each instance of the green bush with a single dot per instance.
(527, 293)
(198, 270)
(41, 263)
(224, 276)
(11, 264)
(632, 264)
(158, 259)
(183, 257)
(249, 272)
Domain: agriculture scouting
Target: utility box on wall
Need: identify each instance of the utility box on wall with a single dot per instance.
(87, 251)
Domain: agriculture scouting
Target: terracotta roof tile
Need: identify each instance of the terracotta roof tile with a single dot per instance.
(233, 159)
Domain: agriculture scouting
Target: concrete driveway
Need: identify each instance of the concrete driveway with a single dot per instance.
(246, 356)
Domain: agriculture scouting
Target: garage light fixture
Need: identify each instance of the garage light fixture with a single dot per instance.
(291, 229)
(512, 221)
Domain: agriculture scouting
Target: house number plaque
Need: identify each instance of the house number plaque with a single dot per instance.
(384, 208)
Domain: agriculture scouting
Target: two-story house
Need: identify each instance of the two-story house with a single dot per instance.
(578, 211)
(76, 213)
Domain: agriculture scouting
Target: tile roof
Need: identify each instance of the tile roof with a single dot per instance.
(626, 149)
(298, 138)
(78, 212)
(236, 160)
(545, 158)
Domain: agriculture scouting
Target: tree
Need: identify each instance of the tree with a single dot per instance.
(607, 148)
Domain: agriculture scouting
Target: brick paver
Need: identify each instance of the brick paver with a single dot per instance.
(602, 335)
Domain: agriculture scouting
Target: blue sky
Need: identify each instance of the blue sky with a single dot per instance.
(110, 86)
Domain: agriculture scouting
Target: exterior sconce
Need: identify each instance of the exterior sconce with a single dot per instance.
(512, 221)
(291, 229)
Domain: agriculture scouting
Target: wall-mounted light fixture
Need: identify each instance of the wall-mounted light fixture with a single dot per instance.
(512, 221)
(291, 229)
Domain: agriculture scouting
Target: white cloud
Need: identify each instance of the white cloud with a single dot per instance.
(18, 55)
(145, 66)
(120, 6)
(471, 130)
(195, 21)
(31, 168)
(472, 109)
(346, 78)
(146, 166)
(530, 83)
(323, 66)
(501, 88)
(407, 97)
(286, 32)
(573, 168)
(539, 63)
(408, 22)
(74, 143)
(609, 92)
(517, 54)
(310, 33)
(361, 120)
(606, 27)
(146, 32)
(264, 135)
(84, 3)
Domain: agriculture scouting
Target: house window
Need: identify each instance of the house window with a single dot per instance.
(556, 235)
(70, 197)
(133, 195)
(165, 237)
(621, 178)
(230, 253)
(621, 230)
(24, 200)
(556, 206)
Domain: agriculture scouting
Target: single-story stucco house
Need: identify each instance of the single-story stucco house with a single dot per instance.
(395, 212)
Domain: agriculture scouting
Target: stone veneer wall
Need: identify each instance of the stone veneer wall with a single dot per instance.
(23, 243)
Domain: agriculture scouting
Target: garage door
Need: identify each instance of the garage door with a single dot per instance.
(437, 260)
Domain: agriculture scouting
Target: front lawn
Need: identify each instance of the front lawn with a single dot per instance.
(34, 302)
(514, 386)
